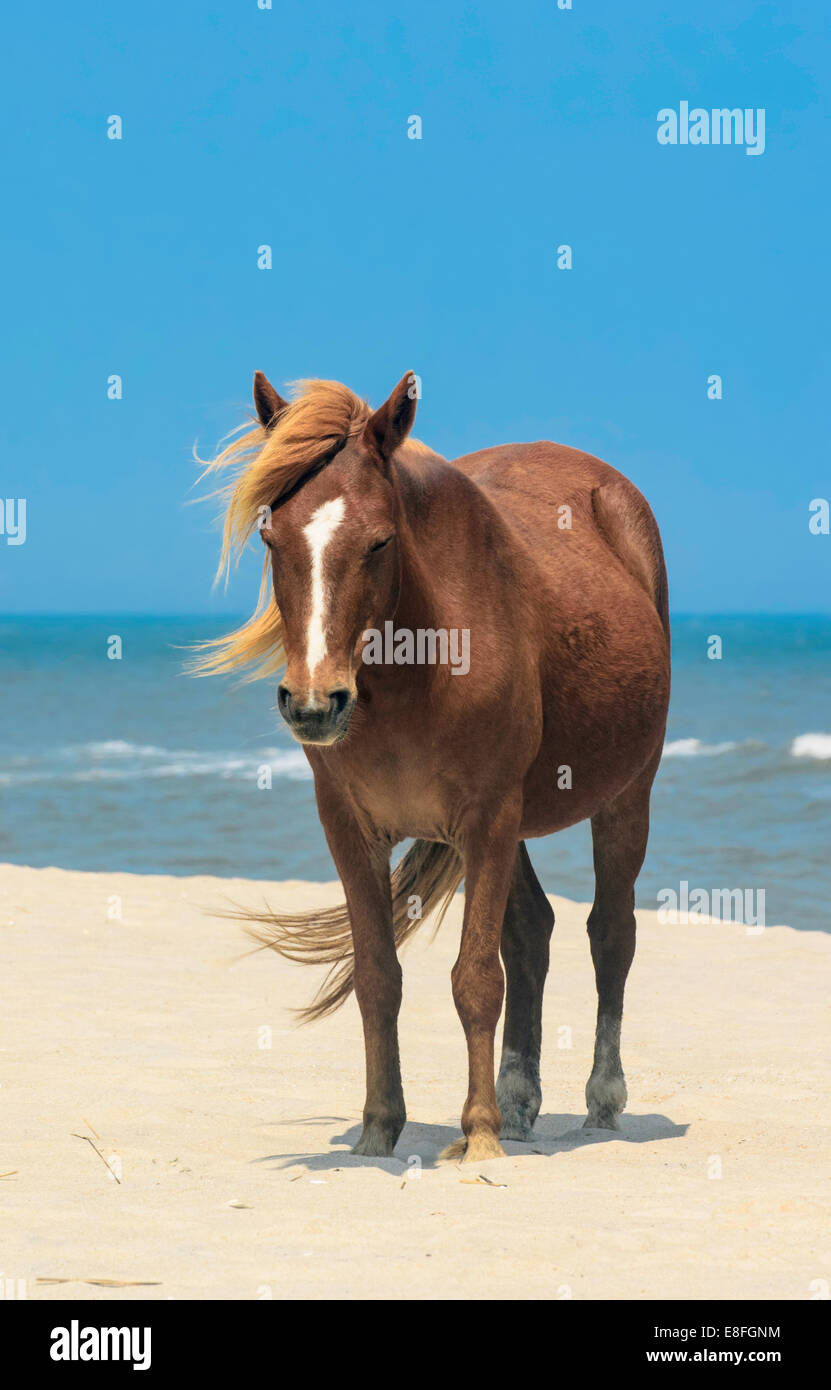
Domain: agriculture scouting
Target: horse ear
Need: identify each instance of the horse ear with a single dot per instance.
(389, 426)
(270, 404)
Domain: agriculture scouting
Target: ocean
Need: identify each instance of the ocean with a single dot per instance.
(129, 764)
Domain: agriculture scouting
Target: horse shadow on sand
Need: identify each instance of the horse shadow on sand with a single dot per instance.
(553, 1135)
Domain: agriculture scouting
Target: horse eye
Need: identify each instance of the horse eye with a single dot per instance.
(379, 545)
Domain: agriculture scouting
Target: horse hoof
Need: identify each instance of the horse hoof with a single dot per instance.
(603, 1119)
(475, 1149)
(518, 1097)
(482, 1146)
(455, 1150)
(517, 1132)
(374, 1143)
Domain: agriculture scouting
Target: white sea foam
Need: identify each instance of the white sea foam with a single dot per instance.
(117, 748)
(811, 746)
(118, 761)
(694, 748)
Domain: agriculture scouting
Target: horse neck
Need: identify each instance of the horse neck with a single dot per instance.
(440, 512)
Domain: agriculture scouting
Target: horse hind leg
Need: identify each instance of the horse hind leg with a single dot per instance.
(526, 932)
(619, 834)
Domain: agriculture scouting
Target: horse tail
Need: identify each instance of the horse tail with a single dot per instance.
(426, 878)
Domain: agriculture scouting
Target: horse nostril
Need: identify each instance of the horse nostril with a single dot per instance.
(284, 700)
(338, 700)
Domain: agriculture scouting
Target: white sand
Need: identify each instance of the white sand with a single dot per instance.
(236, 1179)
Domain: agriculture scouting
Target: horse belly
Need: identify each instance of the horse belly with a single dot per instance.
(598, 734)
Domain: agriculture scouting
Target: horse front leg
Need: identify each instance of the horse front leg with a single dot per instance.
(363, 867)
(378, 991)
(478, 982)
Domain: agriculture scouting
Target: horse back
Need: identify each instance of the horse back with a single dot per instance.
(572, 509)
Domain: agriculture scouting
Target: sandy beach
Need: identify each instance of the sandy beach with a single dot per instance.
(168, 1131)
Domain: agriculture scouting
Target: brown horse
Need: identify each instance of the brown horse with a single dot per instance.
(388, 564)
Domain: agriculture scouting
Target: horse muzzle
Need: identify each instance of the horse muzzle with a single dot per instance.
(314, 716)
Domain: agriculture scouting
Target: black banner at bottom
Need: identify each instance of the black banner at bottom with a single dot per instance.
(148, 1338)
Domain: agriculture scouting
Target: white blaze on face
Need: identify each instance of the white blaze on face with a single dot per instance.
(318, 533)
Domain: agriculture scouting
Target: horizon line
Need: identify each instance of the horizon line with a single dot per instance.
(242, 614)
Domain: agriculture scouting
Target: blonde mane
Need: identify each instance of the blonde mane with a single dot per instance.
(323, 415)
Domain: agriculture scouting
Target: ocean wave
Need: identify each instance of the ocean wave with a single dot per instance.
(118, 761)
(694, 748)
(117, 748)
(811, 746)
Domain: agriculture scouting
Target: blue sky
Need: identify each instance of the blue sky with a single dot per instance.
(289, 127)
